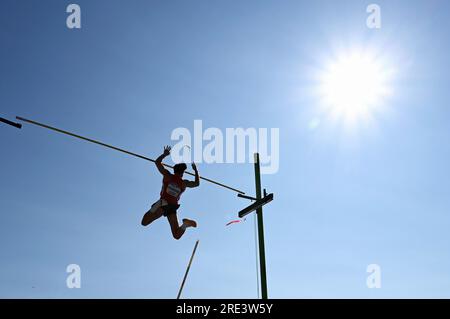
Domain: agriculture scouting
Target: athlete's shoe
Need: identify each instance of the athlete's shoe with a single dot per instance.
(189, 223)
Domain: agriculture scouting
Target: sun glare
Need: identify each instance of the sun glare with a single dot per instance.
(353, 87)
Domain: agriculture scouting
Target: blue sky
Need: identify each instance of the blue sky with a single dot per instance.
(137, 70)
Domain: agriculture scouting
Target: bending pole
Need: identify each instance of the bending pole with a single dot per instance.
(120, 150)
(187, 270)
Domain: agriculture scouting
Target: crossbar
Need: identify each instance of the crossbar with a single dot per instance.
(119, 150)
(259, 203)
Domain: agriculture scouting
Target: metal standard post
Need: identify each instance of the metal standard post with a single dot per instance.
(262, 256)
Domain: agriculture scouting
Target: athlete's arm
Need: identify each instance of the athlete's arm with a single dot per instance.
(158, 161)
(196, 183)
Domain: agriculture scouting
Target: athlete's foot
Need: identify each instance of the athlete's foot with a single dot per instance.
(189, 223)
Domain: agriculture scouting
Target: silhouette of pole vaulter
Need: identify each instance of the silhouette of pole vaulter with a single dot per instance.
(173, 186)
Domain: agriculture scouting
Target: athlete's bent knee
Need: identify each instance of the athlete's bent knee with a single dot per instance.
(176, 235)
(145, 221)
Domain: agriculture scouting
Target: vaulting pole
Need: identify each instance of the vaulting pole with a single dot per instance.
(120, 150)
(187, 270)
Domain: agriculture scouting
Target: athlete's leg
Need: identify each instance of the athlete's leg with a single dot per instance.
(151, 216)
(178, 231)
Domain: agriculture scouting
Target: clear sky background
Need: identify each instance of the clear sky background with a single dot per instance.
(139, 69)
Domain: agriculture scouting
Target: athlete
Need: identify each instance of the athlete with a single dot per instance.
(173, 186)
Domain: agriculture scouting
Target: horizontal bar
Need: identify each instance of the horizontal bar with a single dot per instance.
(247, 197)
(10, 123)
(263, 201)
(120, 150)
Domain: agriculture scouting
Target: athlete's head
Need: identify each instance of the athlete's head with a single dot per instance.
(179, 169)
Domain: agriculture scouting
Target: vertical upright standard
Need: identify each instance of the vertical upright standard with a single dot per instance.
(259, 202)
(259, 214)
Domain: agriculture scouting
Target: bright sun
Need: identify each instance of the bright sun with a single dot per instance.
(353, 87)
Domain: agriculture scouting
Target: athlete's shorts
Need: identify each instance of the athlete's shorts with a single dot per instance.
(167, 208)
